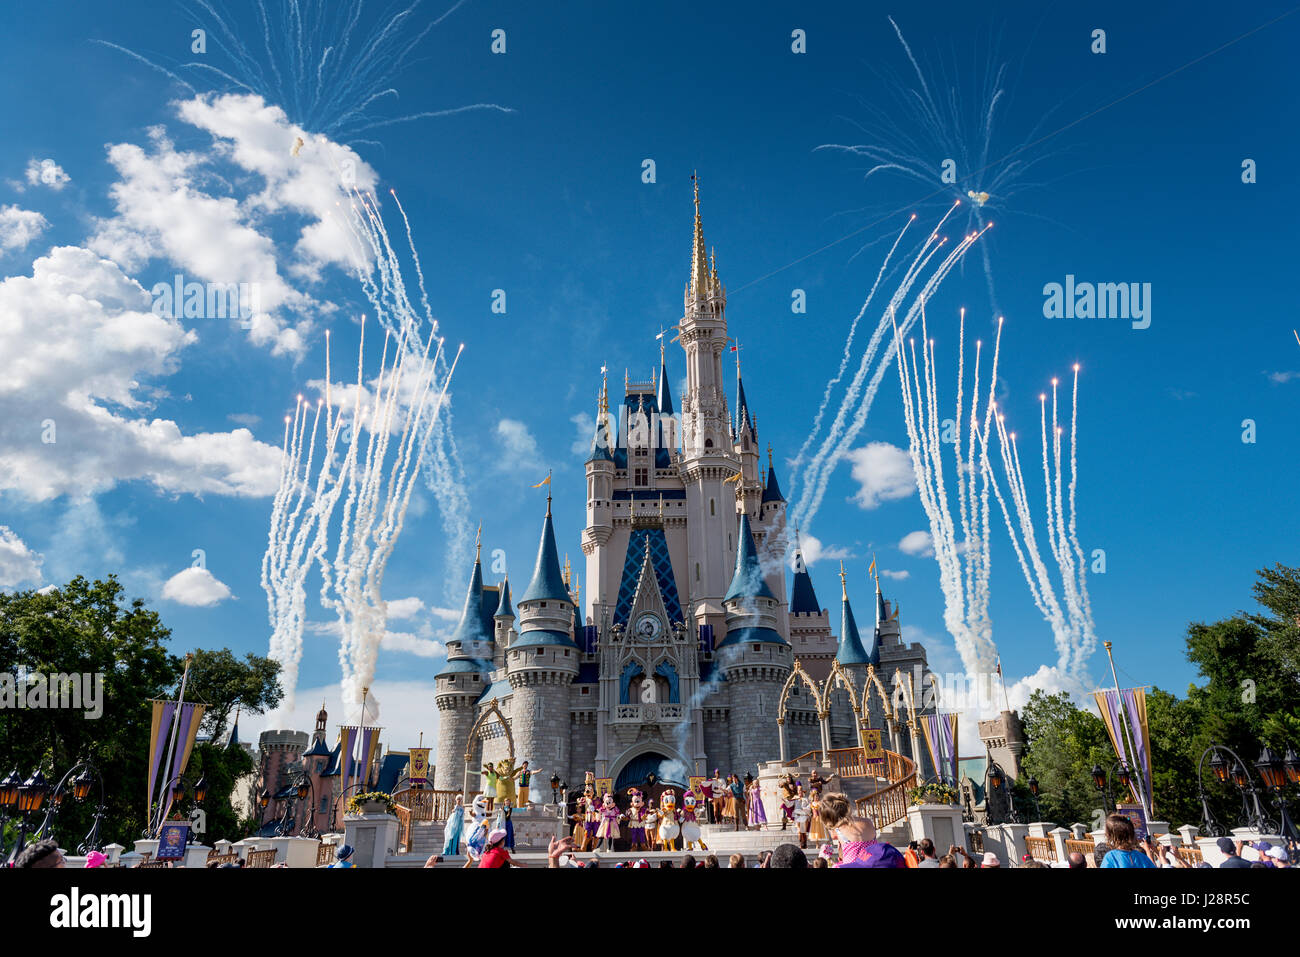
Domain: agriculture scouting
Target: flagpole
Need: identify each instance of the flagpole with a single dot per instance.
(1003, 678)
(1129, 743)
(176, 727)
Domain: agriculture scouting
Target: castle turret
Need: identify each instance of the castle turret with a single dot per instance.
(460, 683)
(542, 662)
(754, 657)
(707, 459)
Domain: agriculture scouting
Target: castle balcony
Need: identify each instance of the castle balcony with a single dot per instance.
(648, 713)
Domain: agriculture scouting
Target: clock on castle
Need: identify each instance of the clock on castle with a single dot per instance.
(676, 662)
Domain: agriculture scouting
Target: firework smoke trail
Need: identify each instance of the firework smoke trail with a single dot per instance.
(943, 124)
(1071, 620)
(843, 432)
(844, 362)
(296, 539)
(314, 59)
(963, 567)
(378, 494)
(379, 272)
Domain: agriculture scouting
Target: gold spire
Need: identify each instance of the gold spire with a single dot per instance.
(769, 455)
(567, 571)
(478, 543)
(699, 259)
(604, 389)
(844, 588)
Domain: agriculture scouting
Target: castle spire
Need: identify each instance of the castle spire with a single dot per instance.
(699, 258)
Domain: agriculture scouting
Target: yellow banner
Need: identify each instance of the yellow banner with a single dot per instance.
(419, 768)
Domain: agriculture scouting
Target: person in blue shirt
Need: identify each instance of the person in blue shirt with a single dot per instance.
(1125, 850)
(343, 856)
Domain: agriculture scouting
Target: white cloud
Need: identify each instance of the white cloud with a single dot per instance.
(883, 473)
(1281, 378)
(895, 576)
(585, 423)
(414, 644)
(401, 608)
(80, 341)
(19, 565)
(917, 543)
(814, 551)
(46, 172)
(245, 418)
(196, 587)
(19, 227)
(519, 448)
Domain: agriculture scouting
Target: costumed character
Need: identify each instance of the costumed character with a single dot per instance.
(636, 821)
(525, 780)
(736, 803)
(719, 797)
(505, 783)
(489, 785)
(455, 828)
(478, 831)
(816, 830)
(591, 816)
(669, 823)
(785, 785)
(651, 826)
(706, 805)
(757, 813)
(609, 815)
(801, 814)
(691, 833)
(504, 824)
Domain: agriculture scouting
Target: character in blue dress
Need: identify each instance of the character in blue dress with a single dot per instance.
(455, 826)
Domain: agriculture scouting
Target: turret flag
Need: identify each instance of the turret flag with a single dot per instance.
(734, 478)
(545, 481)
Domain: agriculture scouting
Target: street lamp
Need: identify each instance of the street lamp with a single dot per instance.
(1232, 768)
(995, 778)
(179, 788)
(301, 789)
(555, 789)
(1273, 769)
(80, 787)
(28, 798)
(1130, 781)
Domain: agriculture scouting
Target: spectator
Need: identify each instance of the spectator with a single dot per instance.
(925, 849)
(1033, 863)
(688, 862)
(95, 859)
(788, 856)
(433, 861)
(990, 860)
(557, 850)
(343, 856)
(665, 863)
(1099, 853)
(1231, 853)
(1077, 860)
(1125, 850)
(819, 861)
(948, 861)
(711, 862)
(857, 836)
(736, 860)
(1279, 857)
(494, 852)
(41, 854)
(955, 851)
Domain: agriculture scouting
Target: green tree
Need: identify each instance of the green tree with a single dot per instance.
(1063, 745)
(84, 628)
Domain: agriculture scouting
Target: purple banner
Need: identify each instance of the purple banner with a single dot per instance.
(162, 734)
(706, 638)
(1136, 729)
(589, 639)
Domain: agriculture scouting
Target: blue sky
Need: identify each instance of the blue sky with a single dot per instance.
(547, 203)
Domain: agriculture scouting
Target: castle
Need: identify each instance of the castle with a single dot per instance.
(678, 663)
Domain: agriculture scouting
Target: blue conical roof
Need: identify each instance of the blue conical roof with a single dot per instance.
(851, 651)
(747, 582)
(665, 396)
(547, 583)
(744, 419)
(470, 628)
(772, 491)
(504, 608)
(803, 600)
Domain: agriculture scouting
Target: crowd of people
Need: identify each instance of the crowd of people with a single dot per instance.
(851, 841)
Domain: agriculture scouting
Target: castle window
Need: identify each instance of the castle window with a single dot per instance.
(697, 571)
(476, 678)
(711, 511)
(539, 651)
(642, 476)
(586, 691)
(708, 443)
(566, 652)
(758, 647)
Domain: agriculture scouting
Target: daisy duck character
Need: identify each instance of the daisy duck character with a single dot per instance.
(669, 820)
(607, 831)
(691, 834)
